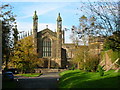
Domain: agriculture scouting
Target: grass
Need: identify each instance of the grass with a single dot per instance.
(30, 74)
(81, 79)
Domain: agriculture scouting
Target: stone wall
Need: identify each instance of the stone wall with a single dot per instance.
(106, 62)
(48, 70)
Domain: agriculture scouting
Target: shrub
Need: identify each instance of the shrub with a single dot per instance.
(85, 59)
(72, 68)
(91, 63)
(101, 70)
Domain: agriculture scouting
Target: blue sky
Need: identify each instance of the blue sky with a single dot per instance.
(47, 11)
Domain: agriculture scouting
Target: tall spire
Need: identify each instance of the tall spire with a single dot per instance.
(59, 40)
(35, 15)
(59, 17)
(28, 32)
(35, 28)
(35, 22)
(25, 34)
(59, 23)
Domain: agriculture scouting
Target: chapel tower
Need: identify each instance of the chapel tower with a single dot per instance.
(35, 29)
(59, 40)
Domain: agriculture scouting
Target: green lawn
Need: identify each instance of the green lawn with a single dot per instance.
(30, 74)
(81, 79)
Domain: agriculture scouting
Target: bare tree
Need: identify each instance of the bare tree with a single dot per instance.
(83, 32)
(106, 13)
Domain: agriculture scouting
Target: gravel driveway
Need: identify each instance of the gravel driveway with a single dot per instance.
(47, 80)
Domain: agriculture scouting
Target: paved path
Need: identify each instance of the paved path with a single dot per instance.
(48, 80)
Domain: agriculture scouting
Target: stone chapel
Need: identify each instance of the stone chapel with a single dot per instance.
(51, 45)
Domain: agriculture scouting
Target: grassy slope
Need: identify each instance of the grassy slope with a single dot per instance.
(30, 75)
(81, 79)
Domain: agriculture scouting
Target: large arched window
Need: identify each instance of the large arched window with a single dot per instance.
(46, 47)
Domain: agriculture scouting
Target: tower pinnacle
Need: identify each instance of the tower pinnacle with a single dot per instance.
(35, 28)
(35, 15)
(59, 17)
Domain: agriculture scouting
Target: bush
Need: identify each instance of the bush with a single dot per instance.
(101, 70)
(91, 63)
(72, 68)
(85, 59)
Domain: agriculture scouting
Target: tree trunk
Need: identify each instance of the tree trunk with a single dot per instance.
(78, 66)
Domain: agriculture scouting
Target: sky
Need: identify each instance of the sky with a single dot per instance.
(47, 11)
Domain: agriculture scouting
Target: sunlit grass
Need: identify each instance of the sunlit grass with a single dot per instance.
(81, 79)
(30, 74)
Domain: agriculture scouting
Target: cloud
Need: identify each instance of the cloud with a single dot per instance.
(41, 8)
(24, 26)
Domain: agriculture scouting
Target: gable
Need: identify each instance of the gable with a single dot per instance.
(47, 32)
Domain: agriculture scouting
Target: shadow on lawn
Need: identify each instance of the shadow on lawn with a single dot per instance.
(68, 74)
(82, 80)
(112, 82)
(76, 76)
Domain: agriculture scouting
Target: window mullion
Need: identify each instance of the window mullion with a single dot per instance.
(46, 47)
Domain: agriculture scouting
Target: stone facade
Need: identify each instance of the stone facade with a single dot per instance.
(96, 44)
(50, 45)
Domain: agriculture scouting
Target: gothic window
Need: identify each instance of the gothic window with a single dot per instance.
(46, 47)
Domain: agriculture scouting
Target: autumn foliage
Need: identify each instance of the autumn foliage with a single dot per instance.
(24, 57)
(85, 59)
